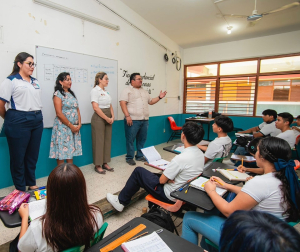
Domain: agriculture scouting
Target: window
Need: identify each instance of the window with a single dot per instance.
(242, 88)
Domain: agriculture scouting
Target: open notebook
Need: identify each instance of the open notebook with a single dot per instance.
(149, 243)
(37, 209)
(234, 175)
(199, 183)
(154, 158)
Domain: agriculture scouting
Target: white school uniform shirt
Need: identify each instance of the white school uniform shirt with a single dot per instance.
(296, 132)
(33, 240)
(268, 129)
(19, 94)
(288, 136)
(265, 190)
(187, 165)
(218, 148)
(101, 97)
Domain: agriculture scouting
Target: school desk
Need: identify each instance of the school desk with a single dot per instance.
(202, 121)
(200, 198)
(175, 243)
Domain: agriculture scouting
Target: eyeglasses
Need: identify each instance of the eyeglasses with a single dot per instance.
(139, 79)
(30, 64)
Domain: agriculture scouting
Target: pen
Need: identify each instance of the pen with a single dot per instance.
(186, 191)
(43, 187)
(230, 169)
(242, 161)
(180, 189)
(162, 165)
(138, 236)
(218, 181)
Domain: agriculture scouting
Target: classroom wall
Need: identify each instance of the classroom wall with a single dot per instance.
(283, 43)
(26, 24)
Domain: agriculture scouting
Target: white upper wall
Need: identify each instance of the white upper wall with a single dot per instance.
(26, 24)
(284, 43)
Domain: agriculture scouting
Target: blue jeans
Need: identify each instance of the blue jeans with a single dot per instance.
(240, 151)
(138, 132)
(207, 224)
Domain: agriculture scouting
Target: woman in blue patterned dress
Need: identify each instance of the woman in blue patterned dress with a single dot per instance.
(65, 139)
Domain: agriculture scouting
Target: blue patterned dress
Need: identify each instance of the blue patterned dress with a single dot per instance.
(64, 143)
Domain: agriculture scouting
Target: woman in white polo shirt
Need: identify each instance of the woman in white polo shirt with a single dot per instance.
(102, 121)
(23, 120)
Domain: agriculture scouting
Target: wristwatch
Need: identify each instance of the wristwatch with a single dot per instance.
(159, 97)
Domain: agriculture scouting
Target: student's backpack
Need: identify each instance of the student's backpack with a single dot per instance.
(161, 217)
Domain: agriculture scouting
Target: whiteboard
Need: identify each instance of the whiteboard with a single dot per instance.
(82, 69)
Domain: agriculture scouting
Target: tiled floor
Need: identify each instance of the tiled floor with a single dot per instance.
(98, 185)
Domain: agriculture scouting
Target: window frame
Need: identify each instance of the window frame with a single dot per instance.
(218, 77)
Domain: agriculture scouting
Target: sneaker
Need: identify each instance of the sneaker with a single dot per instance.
(114, 201)
(130, 162)
(142, 159)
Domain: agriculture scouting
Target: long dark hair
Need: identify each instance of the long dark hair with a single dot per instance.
(69, 221)
(272, 149)
(61, 77)
(21, 57)
(257, 231)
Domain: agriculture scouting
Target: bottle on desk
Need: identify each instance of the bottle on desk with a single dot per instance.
(210, 113)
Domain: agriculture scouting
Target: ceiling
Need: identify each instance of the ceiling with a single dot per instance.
(193, 23)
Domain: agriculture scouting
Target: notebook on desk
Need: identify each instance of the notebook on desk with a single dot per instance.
(154, 158)
(199, 183)
(234, 175)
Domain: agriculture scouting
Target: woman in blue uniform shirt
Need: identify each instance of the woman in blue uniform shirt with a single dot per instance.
(23, 120)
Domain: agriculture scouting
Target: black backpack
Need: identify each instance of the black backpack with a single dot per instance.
(161, 217)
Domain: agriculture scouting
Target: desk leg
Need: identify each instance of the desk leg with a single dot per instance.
(208, 125)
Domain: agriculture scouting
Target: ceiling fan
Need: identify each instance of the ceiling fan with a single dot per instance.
(256, 16)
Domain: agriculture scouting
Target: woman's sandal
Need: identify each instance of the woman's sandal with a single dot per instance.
(111, 169)
(34, 188)
(101, 172)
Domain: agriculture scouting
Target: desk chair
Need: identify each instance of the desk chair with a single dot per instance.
(169, 207)
(176, 130)
(97, 238)
(218, 160)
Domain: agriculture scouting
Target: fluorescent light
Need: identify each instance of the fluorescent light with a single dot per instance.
(76, 14)
(229, 29)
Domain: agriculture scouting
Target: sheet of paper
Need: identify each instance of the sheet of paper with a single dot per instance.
(162, 164)
(151, 154)
(246, 158)
(148, 243)
(179, 149)
(37, 208)
(243, 134)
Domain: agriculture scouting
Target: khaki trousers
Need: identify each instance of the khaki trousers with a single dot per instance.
(101, 138)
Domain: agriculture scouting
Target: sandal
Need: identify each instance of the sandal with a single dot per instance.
(100, 172)
(111, 169)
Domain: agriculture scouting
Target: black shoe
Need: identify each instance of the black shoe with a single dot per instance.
(130, 162)
(142, 159)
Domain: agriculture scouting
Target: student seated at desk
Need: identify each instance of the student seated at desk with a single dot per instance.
(221, 146)
(252, 148)
(187, 165)
(266, 128)
(284, 120)
(277, 192)
(296, 129)
(69, 220)
(256, 231)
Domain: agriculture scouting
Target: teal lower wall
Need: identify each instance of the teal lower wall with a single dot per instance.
(156, 135)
